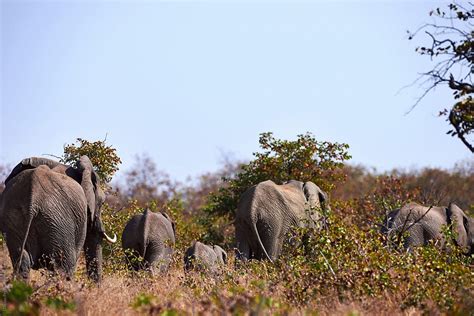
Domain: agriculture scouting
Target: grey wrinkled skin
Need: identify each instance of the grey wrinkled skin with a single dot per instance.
(422, 224)
(49, 212)
(267, 211)
(149, 237)
(206, 258)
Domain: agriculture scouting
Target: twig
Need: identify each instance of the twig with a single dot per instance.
(327, 262)
(51, 156)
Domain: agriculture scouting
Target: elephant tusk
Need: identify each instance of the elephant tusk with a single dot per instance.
(111, 240)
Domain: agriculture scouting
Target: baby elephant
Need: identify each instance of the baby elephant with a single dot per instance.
(421, 224)
(209, 259)
(147, 240)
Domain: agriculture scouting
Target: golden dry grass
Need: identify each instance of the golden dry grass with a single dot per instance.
(236, 292)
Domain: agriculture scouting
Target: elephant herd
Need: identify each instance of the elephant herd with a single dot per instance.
(50, 212)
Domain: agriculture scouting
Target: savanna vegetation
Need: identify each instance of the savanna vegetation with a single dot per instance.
(344, 268)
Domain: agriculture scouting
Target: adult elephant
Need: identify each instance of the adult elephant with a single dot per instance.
(148, 241)
(267, 211)
(49, 212)
(419, 225)
(207, 258)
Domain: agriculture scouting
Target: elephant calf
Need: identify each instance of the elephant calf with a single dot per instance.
(205, 258)
(422, 224)
(147, 240)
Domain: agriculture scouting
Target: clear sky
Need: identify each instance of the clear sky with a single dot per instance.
(186, 81)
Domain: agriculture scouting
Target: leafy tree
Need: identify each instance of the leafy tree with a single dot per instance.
(452, 46)
(104, 158)
(304, 159)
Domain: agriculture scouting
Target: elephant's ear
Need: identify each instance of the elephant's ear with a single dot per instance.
(323, 199)
(312, 193)
(31, 163)
(88, 183)
(171, 221)
(219, 251)
(459, 223)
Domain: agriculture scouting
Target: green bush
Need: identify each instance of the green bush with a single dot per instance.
(17, 300)
(104, 158)
(304, 159)
(59, 304)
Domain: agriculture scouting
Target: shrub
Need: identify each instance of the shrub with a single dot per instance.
(304, 159)
(17, 299)
(104, 158)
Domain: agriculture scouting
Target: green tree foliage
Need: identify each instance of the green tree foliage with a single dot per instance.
(104, 158)
(304, 159)
(452, 47)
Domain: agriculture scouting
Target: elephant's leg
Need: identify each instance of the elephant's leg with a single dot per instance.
(22, 264)
(65, 264)
(20, 258)
(157, 256)
(278, 247)
(270, 239)
(242, 251)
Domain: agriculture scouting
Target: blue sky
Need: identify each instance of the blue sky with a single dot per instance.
(185, 82)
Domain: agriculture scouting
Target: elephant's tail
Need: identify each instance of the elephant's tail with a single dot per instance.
(23, 244)
(255, 231)
(143, 231)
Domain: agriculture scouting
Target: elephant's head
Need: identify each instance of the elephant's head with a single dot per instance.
(463, 226)
(95, 197)
(221, 254)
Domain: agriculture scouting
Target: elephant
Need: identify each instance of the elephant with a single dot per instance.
(49, 211)
(148, 241)
(266, 212)
(209, 259)
(423, 224)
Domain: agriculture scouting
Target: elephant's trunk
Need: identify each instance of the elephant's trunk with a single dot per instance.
(93, 249)
(93, 255)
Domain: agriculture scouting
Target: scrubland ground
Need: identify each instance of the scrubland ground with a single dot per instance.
(257, 288)
(175, 293)
(342, 268)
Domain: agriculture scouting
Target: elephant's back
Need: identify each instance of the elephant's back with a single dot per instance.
(417, 212)
(204, 252)
(422, 222)
(41, 189)
(61, 208)
(200, 255)
(270, 198)
(160, 227)
(15, 202)
(131, 232)
(54, 203)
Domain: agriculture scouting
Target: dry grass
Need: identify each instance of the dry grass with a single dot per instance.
(235, 292)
